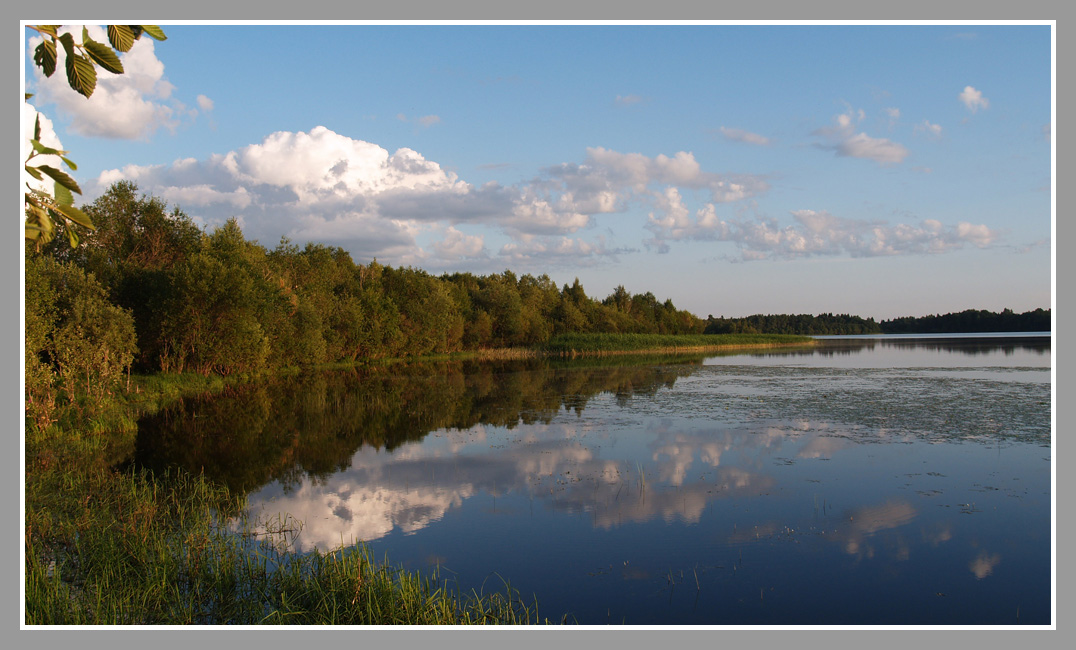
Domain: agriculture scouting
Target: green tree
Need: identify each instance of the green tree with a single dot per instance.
(75, 336)
(226, 312)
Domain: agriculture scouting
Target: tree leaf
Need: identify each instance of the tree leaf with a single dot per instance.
(68, 41)
(45, 57)
(121, 37)
(76, 215)
(103, 56)
(72, 237)
(81, 74)
(47, 29)
(62, 195)
(45, 151)
(61, 178)
(33, 172)
(155, 32)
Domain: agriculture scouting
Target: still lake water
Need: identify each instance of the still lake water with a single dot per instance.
(872, 481)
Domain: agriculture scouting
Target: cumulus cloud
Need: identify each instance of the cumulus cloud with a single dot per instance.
(456, 245)
(814, 233)
(739, 135)
(605, 174)
(843, 140)
(973, 99)
(324, 186)
(327, 187)
(129, 106)
(204, 103)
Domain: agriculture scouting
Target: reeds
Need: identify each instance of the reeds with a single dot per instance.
(590, 344)
(133, 549)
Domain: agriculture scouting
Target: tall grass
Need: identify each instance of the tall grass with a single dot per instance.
(133, 549)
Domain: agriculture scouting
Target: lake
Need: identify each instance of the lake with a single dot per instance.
(865, 481)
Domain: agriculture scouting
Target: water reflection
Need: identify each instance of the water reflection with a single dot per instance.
(907, 467)
(313, 425)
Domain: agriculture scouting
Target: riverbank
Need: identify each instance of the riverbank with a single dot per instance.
(108, 544)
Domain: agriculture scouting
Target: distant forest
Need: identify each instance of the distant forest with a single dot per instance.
(970, 320)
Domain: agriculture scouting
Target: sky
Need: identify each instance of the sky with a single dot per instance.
(880, 170)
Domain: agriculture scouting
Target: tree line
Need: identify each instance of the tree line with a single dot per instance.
(148, 289)
(803, 324)
(971, 320)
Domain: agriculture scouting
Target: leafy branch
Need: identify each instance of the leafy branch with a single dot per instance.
(82, 58)
(44, 210)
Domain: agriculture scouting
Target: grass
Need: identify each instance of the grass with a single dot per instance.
(128, 548)
(111, 546)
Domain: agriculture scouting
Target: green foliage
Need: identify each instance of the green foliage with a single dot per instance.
(82, 58)
(45, 211)
(211, 321)
(75, 337)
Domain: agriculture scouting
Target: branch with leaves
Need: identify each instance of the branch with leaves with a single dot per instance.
(44, 209)
(81, 60)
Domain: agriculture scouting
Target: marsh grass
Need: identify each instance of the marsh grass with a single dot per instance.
(129, 548)
(591, 344)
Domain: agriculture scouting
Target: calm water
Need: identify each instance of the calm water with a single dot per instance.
(867, 481)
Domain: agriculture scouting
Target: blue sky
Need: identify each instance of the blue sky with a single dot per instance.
(879, 170)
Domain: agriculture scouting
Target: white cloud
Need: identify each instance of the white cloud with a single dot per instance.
(931, 129)
(814, 233)
(879, 150)
(893, 113)
(633, 175)
(739, 135)
(323, 186)
(457, 245)
(130, 106)
(845, 141)
(625, 100)
(974, 99)
(529, 250)
(204, 103)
